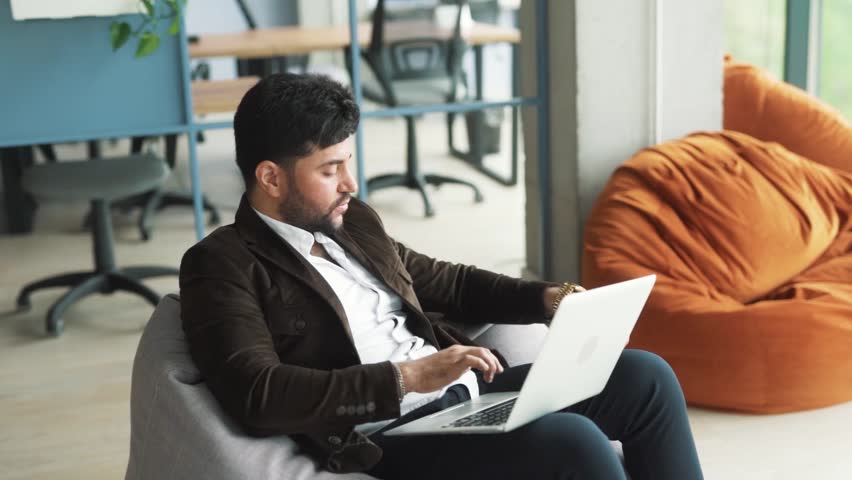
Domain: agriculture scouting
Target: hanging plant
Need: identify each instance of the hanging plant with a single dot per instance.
(146, 33)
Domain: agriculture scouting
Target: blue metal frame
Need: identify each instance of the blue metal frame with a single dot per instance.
(195, 176)
(796, 42)
(355, 52)
(542, 42)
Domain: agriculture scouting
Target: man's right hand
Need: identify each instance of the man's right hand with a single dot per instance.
(438, 370)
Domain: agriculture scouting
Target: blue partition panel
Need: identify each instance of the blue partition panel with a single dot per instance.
(60, 80)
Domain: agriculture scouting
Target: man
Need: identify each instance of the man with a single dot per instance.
(307, 319)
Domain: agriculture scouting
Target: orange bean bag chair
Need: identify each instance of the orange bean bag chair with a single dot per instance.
(766, 108)
(752, 247)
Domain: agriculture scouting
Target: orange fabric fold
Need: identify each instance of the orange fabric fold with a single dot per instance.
(766, 108)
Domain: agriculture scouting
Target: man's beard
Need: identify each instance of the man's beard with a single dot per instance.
(296, 211)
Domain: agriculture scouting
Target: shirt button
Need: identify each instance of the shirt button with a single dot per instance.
(334, 440)
(350, 409)
(371, 407)
(361, 410)
(341, 410)
(300, 324)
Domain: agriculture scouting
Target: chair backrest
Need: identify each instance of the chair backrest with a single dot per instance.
(412, 57)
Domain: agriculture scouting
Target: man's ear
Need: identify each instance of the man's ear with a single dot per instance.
(270, 178)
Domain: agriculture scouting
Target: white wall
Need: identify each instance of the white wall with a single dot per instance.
(691, 59)
(621, 71)
(614, 92)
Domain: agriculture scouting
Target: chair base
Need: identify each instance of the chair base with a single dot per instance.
(159, 200)
(418, 181)
(83, 284)
(156, 200)
(412, 178)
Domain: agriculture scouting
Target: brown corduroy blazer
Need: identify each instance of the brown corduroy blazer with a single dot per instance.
(273, 343)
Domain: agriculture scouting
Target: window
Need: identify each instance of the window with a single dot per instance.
(835, 71)
(754, 32)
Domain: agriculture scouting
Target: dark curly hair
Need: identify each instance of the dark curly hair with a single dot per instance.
(288, 116)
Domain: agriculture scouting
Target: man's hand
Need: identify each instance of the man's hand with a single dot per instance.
(438, 370)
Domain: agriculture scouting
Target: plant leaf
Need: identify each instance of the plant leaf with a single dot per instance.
(149, 7)
(148, 42)
(119, 33)
(175, 28)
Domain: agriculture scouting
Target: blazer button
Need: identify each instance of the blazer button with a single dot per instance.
(350, 409)
(341, 410)
(361, 409)
(371, 407)
(300, 324)
(334, 440)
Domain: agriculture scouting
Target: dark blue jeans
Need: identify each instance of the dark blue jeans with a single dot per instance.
(642, 405)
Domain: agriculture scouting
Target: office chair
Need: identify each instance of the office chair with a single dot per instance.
(100, 182)
(159, 198)
(413, 71)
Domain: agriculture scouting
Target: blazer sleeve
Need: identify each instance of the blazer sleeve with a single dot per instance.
(467, 294)
(231, 344)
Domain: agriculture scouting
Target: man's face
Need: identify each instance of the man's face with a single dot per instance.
(318, 190)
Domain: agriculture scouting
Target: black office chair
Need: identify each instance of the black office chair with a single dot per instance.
(413, 71)
(100, 182)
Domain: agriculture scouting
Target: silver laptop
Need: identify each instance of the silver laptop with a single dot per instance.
(586, 338)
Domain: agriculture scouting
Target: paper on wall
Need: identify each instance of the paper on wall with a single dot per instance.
(30, 9)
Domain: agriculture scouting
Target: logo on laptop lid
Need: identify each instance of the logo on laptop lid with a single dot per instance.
(588, 349)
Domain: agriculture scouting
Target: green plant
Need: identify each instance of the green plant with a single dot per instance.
(146, 32)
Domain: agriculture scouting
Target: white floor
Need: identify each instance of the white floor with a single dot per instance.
(64, 402)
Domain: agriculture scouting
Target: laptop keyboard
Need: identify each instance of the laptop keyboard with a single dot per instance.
(494, 415)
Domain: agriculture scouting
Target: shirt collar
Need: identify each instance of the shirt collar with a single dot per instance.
(300, 239)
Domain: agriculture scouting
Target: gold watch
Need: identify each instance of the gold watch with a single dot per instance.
(564, 290)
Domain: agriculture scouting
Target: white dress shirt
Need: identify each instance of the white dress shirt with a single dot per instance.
(375, 313)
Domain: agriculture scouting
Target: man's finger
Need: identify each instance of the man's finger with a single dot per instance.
(493, 363)
(498, 367)
(473, 361)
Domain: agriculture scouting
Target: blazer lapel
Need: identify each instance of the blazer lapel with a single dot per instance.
(352, 248)
(264, 242)
(418, 322)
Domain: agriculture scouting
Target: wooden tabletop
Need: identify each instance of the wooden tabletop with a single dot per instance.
(280, 41)
(219, 96)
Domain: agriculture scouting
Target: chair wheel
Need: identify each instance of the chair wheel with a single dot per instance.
(55, 327)
(145, 233)
(477, 197)
(214, 218)
(24, 304)
(87, 221)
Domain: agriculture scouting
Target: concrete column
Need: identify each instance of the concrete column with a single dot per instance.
(624, 74)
